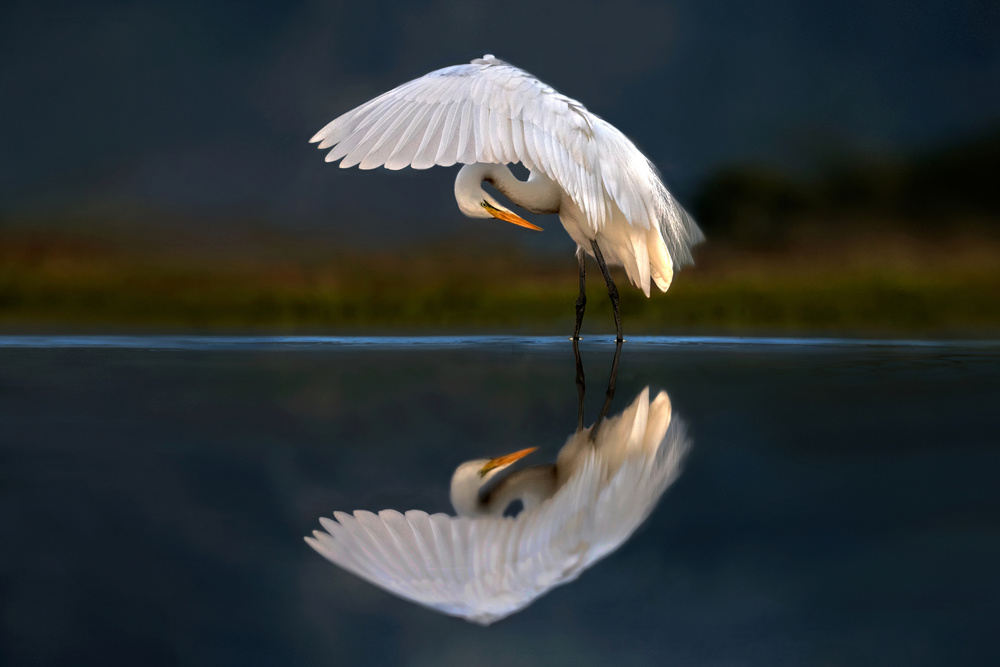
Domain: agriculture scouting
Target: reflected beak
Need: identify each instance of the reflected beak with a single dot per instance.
(509, 217)
(504, 461)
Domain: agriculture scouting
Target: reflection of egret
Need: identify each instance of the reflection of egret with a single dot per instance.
(488, 114)
(483, 566)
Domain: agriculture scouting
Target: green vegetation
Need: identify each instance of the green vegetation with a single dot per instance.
(881, 285)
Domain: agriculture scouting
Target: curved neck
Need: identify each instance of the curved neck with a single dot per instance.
(539, 194)
(531, 486)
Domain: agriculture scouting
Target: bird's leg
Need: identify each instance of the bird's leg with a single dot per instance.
(610, 395)
(612, 290)
(581, 301)
(581, 384)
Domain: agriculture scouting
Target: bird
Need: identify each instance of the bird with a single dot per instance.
(488, 114)
(484, 566)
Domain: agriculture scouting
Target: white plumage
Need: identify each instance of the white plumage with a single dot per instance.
(487, 114)
(486, 568)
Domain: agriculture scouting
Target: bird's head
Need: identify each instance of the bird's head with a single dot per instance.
(471, 476)
(475, 202)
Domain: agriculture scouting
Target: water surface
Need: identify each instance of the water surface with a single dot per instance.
(838, 504)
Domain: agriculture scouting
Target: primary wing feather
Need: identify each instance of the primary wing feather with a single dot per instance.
(476, 569)
(490, 111)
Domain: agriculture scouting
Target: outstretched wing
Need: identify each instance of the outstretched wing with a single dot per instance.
(490, 111)
(486, 569)
(478, 569)
(481, 569)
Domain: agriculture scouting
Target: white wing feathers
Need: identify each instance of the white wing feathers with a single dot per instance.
(486, 569)
(490, 111)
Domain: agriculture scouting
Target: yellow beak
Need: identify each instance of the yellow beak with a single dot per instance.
(502, 461)
(509, 217)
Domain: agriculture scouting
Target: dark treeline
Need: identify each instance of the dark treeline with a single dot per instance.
(953, 188)
(927, 193)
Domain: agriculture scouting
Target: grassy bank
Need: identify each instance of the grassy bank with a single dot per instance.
(874, 285)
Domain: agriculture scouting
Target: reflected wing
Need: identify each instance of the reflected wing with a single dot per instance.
(634, 458)
(489, 111)
(486, 569)
(478, 569)
(643, 463)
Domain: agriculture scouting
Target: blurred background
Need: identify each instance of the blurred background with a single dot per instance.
(155, 171)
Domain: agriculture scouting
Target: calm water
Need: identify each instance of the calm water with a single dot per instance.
(839, 503)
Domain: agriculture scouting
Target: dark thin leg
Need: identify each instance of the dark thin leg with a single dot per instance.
(581, 384)
(581, 302)
(612, 290)
(610, 395)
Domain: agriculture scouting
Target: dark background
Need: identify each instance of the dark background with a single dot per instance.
(183, 111)
(155, 170)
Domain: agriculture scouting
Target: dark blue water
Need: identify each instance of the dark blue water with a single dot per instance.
(839, 505)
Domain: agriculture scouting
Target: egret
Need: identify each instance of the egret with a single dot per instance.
(483, 566)
(488, 114)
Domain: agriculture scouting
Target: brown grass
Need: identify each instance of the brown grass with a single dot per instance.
(886, 283)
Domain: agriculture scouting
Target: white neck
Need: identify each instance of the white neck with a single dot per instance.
(531, 486)
(538, 194)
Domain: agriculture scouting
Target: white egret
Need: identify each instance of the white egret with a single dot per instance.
(487, 114)
(483, 566)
